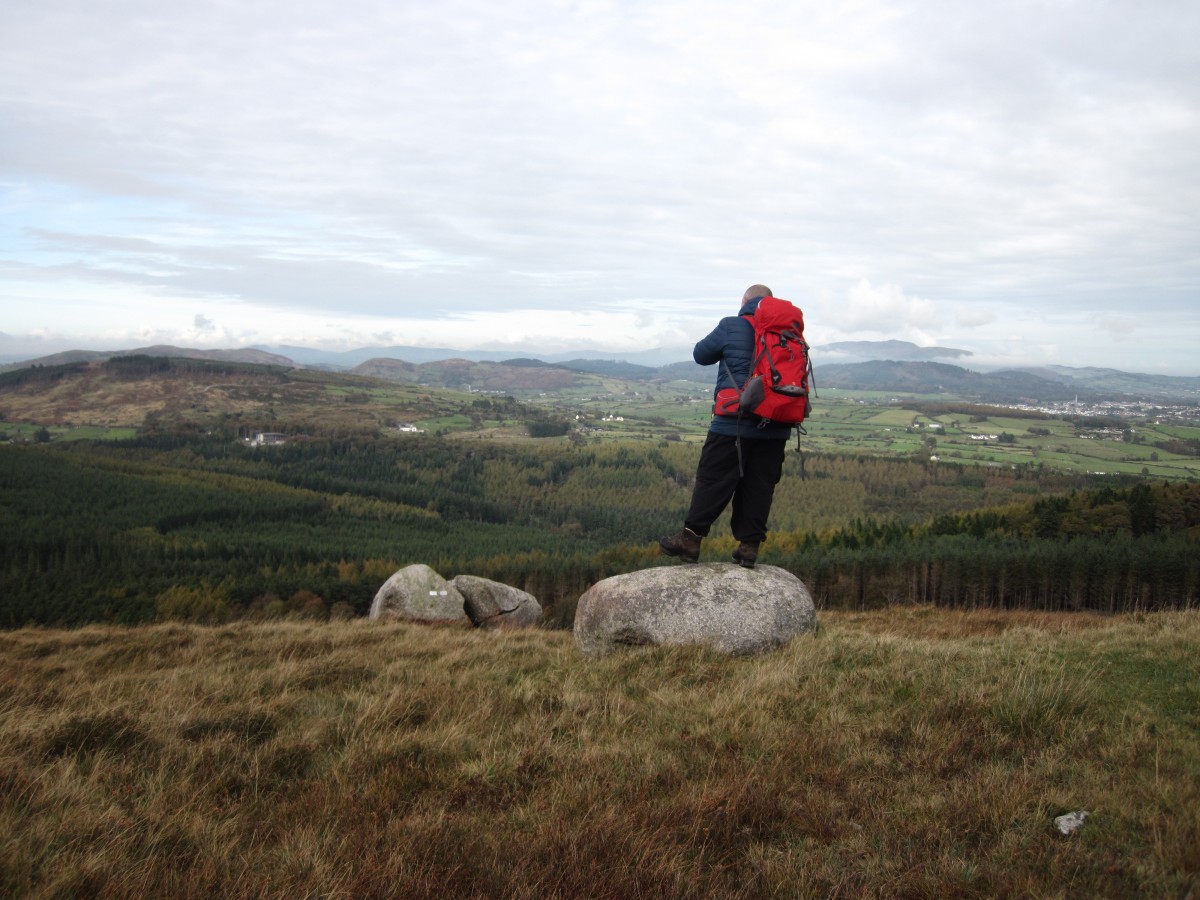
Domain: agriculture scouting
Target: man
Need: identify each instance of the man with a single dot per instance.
(746, 474)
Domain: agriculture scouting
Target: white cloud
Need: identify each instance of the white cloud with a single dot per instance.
(974, 317)
(886, 310)
(399, 163)
(1118, 328)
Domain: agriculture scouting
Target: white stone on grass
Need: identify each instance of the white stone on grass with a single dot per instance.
(417, 593)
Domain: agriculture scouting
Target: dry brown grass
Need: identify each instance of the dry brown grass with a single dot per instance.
(907, 753)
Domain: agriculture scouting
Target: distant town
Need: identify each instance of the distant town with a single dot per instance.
(1125, 409)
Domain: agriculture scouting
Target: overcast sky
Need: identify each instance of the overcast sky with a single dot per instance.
(1021, 179)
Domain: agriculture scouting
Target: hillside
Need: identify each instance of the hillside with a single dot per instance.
(107, 531)
(941, 378)
(1113, 381)
(913, 752)
(506, 401)
(876, 366)
(530, 375)
(462, 374)
(1057, 383)
(157, 391)
(242, 355)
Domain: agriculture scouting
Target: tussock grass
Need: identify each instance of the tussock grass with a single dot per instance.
(906, 753)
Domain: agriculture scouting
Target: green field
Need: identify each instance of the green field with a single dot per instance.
(1003, 438)
(837, 425)
(891, 424)
(851, 425)
(119, 399)
(28, 432)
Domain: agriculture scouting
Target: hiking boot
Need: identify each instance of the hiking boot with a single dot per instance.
(685, 545)
(746, 555)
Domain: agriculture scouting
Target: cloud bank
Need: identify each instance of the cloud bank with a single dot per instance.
(602, 173)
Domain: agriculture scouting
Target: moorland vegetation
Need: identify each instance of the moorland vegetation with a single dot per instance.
(911, 752)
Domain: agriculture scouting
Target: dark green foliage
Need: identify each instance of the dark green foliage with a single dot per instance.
(541, 428)
(39, 374)
(1111, 550)
(1182, 447)
(935, 408)
(101, 532)
(205, 529)
(138, 366)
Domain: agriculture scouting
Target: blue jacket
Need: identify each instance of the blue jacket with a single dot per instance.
(733, 341)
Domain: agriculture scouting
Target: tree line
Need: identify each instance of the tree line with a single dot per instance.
(130, 531)
(1108, 550)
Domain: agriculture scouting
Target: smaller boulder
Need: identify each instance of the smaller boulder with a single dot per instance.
(417, 593)
(490, 604)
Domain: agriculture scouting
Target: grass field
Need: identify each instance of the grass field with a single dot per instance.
(849, 425)
(28, 432)
(907, 753)
(858, 422)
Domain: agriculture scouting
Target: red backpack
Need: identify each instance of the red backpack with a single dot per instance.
(777, 389)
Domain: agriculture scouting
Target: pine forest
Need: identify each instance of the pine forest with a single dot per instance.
(207, 529)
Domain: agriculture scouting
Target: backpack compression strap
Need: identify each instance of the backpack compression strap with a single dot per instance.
(737, 441)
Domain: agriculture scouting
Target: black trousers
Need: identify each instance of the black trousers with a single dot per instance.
(717, 481)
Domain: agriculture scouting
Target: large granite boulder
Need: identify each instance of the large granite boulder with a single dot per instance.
(418, 594)
(490, 604)
(731, 609)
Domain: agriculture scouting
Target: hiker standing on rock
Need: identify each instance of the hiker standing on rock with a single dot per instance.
(742, 458)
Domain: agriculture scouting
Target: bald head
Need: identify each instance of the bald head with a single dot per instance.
(756, 290)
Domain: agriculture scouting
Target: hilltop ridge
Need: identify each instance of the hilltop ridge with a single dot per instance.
(238, 355)
(897, 366)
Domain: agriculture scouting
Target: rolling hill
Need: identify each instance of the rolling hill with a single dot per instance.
(942, 378)
(1109, 382)
(535, 376)
(462, 374)
(141, 391)
(1058, 383)
(239, 355)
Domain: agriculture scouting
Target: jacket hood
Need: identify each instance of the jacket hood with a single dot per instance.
(749, 306)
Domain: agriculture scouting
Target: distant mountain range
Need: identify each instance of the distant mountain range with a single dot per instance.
(348, 359)
(243, 355)
(896, 366)
(636, 365)
(1050, 383)
(841, 352)
(941, 378)
(1057, 383)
